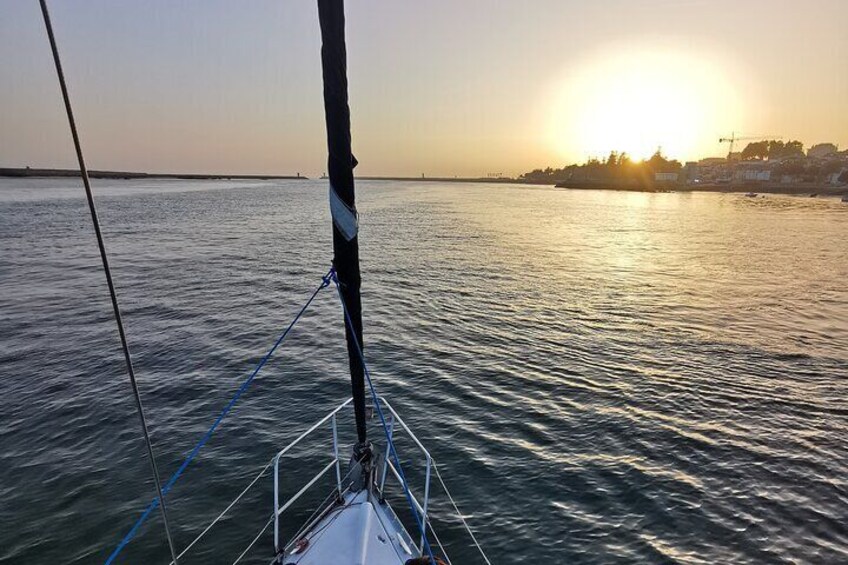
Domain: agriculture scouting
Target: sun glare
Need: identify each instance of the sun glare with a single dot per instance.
(637, 102)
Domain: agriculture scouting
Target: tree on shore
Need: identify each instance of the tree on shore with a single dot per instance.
(757, 150)
(659, 164)
(772, 149)
(617, 167)
(793, 149)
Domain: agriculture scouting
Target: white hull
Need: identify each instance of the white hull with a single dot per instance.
(359, 530)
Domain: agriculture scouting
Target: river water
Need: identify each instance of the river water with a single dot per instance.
(603, 377)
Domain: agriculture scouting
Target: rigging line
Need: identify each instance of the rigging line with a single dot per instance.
(239, 497)
(389, 443)
(322, 508)
(259, 535)
(336, 512)
(458, 513)
(325, 281)
(110, 283)
(227, 509)
(438, 541)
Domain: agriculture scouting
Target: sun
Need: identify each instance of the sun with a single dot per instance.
(637, 102)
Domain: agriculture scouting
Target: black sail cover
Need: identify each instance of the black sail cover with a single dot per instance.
(340, 168)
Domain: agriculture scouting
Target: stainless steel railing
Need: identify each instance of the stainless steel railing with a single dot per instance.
(394, 421)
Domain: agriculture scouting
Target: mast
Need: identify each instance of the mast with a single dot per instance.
(340, 166)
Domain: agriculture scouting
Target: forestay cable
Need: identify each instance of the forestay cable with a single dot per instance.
(105, 260)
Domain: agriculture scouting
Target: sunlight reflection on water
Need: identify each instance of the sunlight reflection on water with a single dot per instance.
(604, 376)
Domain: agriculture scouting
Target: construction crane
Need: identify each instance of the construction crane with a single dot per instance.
(733, 139)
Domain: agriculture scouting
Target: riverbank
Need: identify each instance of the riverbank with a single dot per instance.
(764, 188)
(796, 189)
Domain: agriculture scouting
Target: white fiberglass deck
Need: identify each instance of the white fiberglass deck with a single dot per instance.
(360, 531)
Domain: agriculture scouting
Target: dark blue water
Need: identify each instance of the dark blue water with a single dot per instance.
(605, 377)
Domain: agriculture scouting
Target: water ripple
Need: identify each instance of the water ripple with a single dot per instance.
(603, 377)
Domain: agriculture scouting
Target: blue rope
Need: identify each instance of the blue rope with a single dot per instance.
(325, 282)
(391, 445)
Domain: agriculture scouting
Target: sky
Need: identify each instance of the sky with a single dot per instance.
(440, 88)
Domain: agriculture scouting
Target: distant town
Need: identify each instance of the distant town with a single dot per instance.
(767, 165)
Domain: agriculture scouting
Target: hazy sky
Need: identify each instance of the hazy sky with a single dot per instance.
(458, 87)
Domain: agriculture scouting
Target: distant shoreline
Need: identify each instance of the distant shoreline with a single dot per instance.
(65, 173)
(762, 188)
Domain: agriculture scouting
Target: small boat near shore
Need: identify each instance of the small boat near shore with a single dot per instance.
(751, 194)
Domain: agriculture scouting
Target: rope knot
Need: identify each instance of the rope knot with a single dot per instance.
(328, 278)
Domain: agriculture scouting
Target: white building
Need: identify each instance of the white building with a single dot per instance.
(752, 174)
(665, 177)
